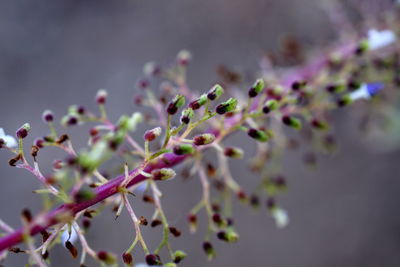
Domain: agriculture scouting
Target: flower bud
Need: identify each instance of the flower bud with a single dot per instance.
(257, 87)
(72, 249)
(134, 120)
(215, 92)
(106, 257)
(227, 106)
(47, 116)
(153, 259)
(192, 219)
(335, 88)
(178, 256)
(101, 96)
(297, 85)
(197, 103)
(209, 250)
(318, 124)
(127, 258)
(229, 236)
(183, 149)
(163, 174)
(84, 195)
(175, 104)
(291, 122)
(174, 231)
(152, 134)
(69, 120)
(183, 58)
(22, 132)
(203, 139)
(151, 69)
(344, 101)
(233, 152)
(187, 115)
(259, 135)
(270, 105)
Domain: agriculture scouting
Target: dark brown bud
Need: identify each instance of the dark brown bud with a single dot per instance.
(127, 258)
(34, 151)
(72, 249)
(155, 223)
(13, 162)
(174, 231)
(148, 199)
(143, 221)
(62, 139)
(153, 259)
(26, 215)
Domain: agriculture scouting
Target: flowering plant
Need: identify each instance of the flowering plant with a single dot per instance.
(184, 126)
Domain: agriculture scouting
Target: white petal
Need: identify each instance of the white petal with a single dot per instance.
(66, 237)
(378, 39)
(360, 93)
(2, 134)
(281, 217)
(8, 139)
(141, 265)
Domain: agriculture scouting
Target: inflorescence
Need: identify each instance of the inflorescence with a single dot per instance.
(185, 126)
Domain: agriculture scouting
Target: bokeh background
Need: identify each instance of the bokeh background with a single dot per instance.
(57, 53)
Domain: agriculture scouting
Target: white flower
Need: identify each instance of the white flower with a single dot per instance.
(65, 236)
(8, 139)
(281, 217)
(366, 91)
(378, 39)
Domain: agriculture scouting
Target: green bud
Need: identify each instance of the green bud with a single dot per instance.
(227, 106)
(233, 152)
(179, 255)
(170, 264)
(258, 135)
(163, 174)
(344, 101)
(270, 105)
(175, 104)
(183, 149)
(84, 195)
(106, 257)
(123, 123)
(187, 115)
(203, 139)
(196, 104)
(215, 92)
(292, 122)
(257, 87)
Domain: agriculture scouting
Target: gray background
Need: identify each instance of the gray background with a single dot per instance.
(57, 53)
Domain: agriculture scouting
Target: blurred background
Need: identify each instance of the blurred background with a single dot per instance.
(57, 53)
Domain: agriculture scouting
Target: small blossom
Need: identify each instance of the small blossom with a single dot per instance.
(366, 91)
(8, 140)
(183, 149)
(22, 132)
(152, 134)
(183, 58)
(101, 96)
(48, 116)
(233, 152)
(281, 217)
(151, 69)
(378, 39)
